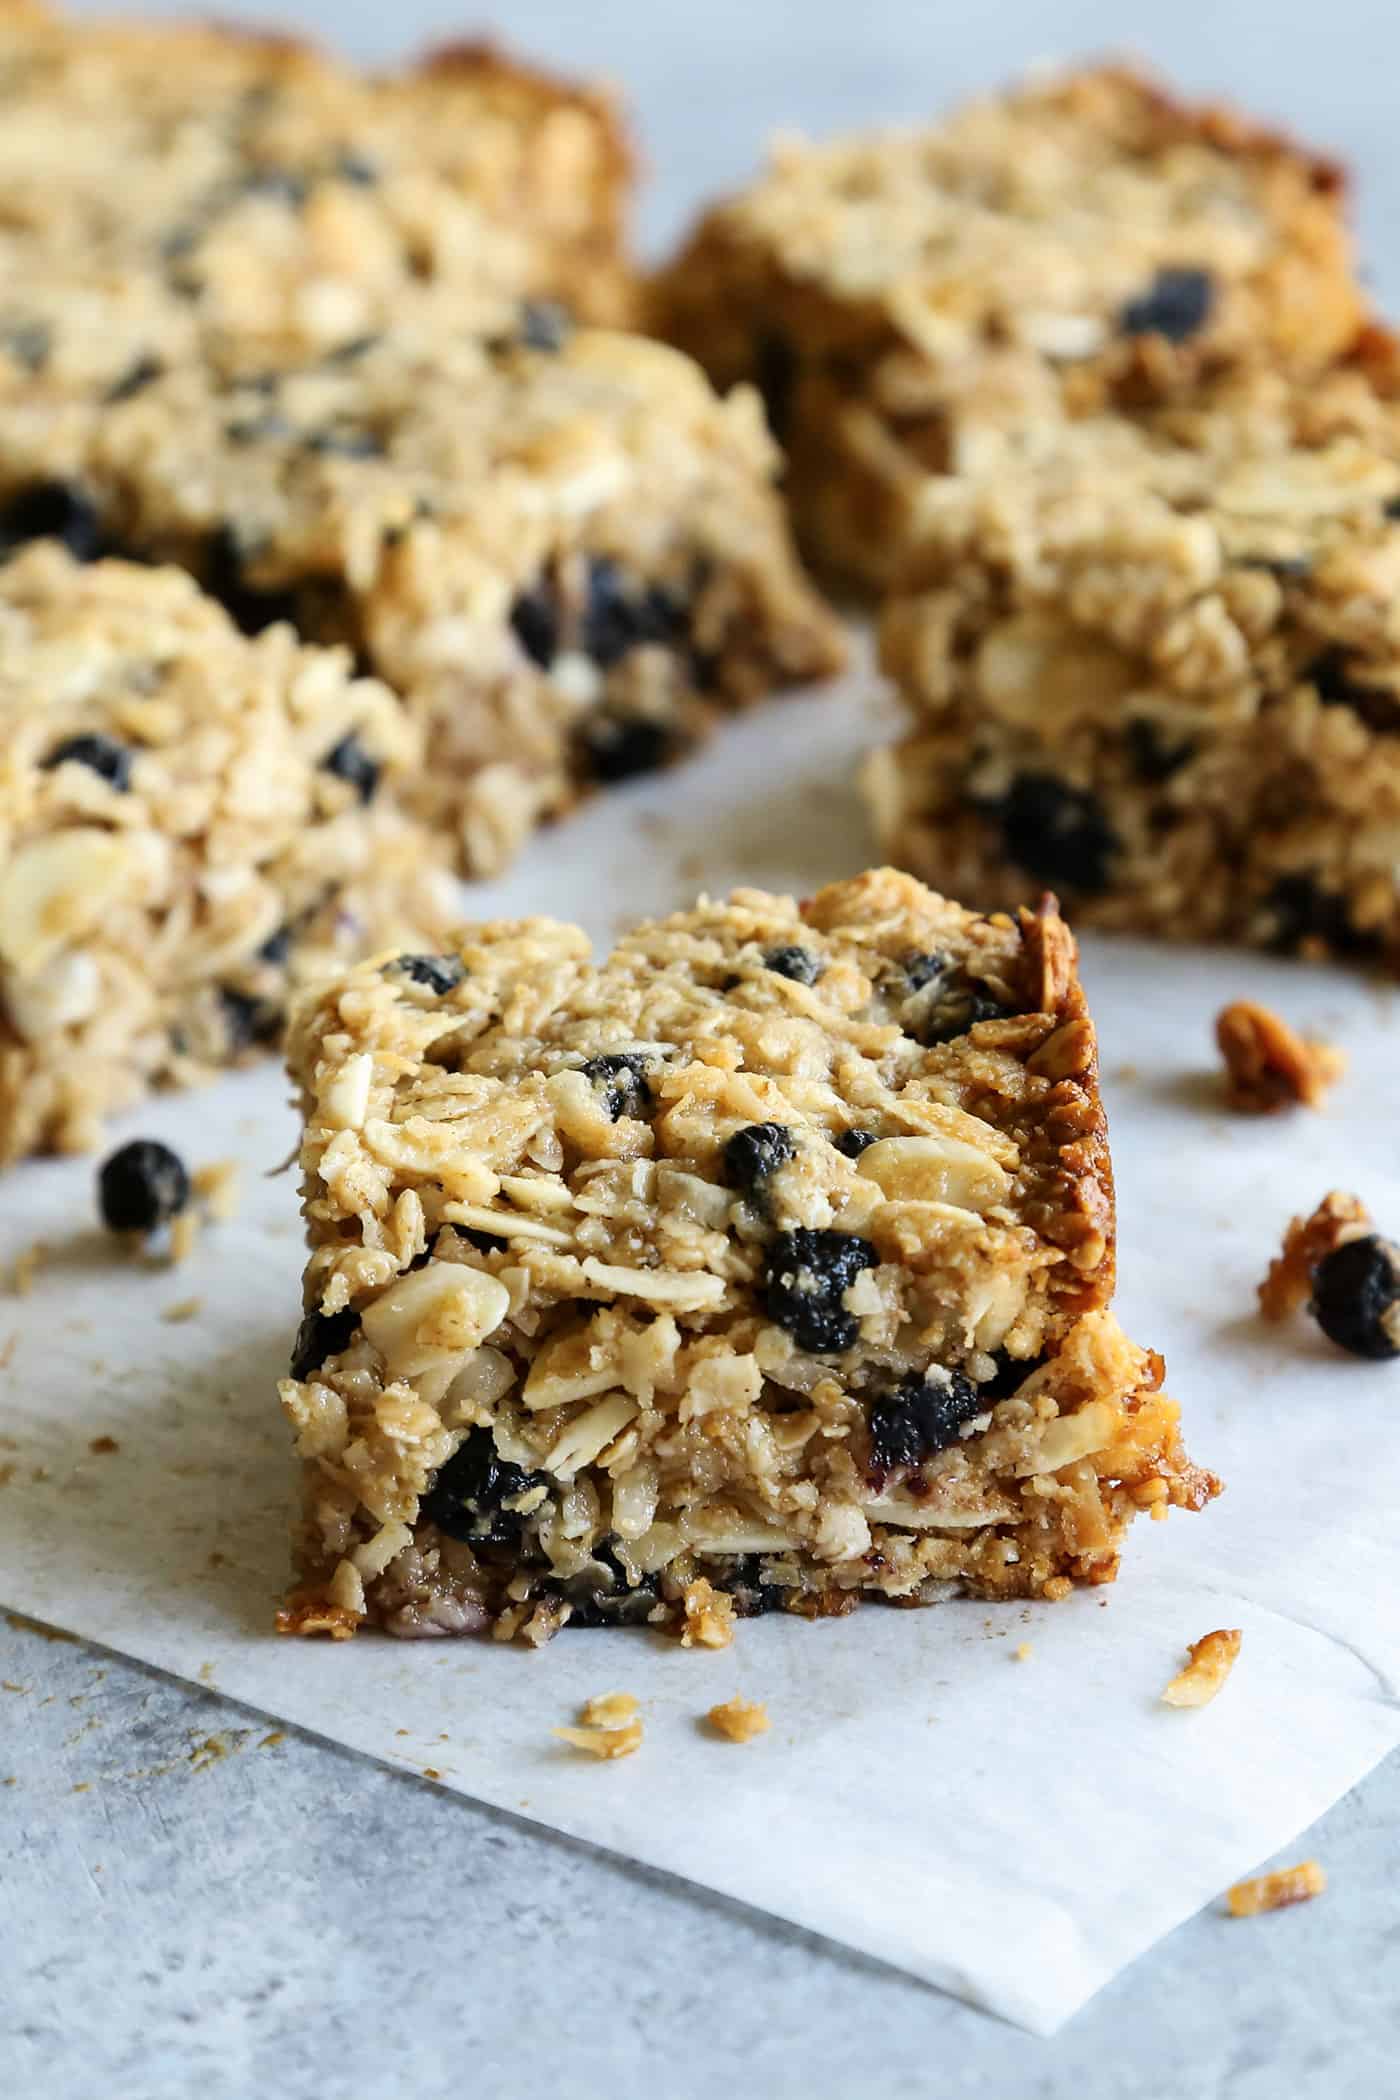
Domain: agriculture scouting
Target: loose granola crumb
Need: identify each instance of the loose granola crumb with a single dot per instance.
(102, 1445)
(26, 1267)
(184, 1235)
(1268, 1065)
(609, 1710)
(1277, 1890)
(1212, 1659)
(183, 1309)
(1288, 1285)
(217, 1186)
(1023, 1652)
(709, 1616)
(603, 1742)
(739, 1720)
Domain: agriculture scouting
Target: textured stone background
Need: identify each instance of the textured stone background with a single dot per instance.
(188, 1909)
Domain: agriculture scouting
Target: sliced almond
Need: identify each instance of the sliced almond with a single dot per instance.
(434, 1316)
(935, 1170)
(54, 889)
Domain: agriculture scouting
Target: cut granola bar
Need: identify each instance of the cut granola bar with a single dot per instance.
(902, 297)
(190, 823)
(283, 203)
(569, 558)
(1154, 665)
(765, 1264)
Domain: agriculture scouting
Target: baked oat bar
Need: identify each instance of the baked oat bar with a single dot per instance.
(190, 824)
(1084, 239)
(1155, 666)
(765, 1264)
(284, 203)
(569, 558)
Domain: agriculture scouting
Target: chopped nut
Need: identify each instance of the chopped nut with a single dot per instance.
(1212, 1660)
(1268, 1065)
(1288, 1285)
(709, 1616)
(217, 1187)
(609, 1710)
(603, 1742)
(1277, 1890)
(739, 1720)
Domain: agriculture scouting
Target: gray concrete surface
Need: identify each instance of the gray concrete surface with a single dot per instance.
(186, 1909)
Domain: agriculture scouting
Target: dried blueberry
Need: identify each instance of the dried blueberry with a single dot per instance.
(755, 1152)
(1337, 686)
(618, 618)
(743, 1581)
(247, 1020)
(921, 1416)
(466, 1495)
(1298, 909)
(775, 375)
(800, 964)
(141, 1186)
(854, 1142)
(545, 324)
(953, 1016)
(1356, 1297)
(1010, 1375)
(249, 606)
(535, 620)
(618, 747)
(805, 1276)
(922, 970)
(601, 1595)
(1058, 833)
(52, 510)
(134, 380)
(320, 1337)
(436, 973)
(1176, 304)
(349, 761)
(1153, 756)
(110, 760)
(620, 1076)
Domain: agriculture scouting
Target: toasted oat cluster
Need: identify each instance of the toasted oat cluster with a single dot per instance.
(1153, 664)
(902, 297)
(568, 556)
(766, 1263)
(191, 823)
(253, 191)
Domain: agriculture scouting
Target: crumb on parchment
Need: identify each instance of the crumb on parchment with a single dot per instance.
(1268, 1065)
(1277, 1890)
(608, 1710)
(610, 1726)
(1338, 1217)
(217, 1186)
(739, 1720)
(1023, 1652)
(1212, 1659)
(26, 1267)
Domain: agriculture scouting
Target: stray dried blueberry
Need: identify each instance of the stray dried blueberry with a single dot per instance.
(1176, 304)
(1337, 686)
(800, 964)
(1058, 833)
(545, 324)
(249, 606)
(349, 761)
(321, 1336)
(1152, 755)
(620, 1076)
(601, 1595)
(110, 760)
(466, 1495)
(141, 1186)
(437, 973)
(534, 618)
(755, 1152)
(53, 510)
(618, 747)
(805, 1276)
(1356, 1297)
(134, 380)
(1299, 910)
(618, 618)
(921, 1416)
(854, 1142)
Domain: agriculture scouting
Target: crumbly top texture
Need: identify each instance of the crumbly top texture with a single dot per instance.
(1242, 543)
(1077, 213)
(430, 481)
(289, 201)
(873, 1117)
(153, 759)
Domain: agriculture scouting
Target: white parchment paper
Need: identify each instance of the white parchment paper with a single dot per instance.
(1014, 1831)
